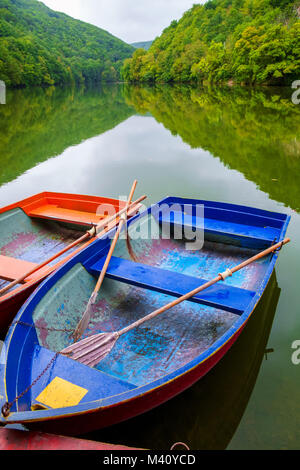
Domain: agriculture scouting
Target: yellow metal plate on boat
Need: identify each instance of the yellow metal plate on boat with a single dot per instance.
(60, 393)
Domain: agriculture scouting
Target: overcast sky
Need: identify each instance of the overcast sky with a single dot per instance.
(130, 20)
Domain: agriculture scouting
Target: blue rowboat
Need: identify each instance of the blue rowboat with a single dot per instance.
(177, 245)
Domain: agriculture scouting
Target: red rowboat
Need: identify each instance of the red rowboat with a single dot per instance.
(39, 227)
(14, 439)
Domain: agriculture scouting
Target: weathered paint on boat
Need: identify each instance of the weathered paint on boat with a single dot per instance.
(152, 364)
(36, 228)
(14, 439)
(235, 376)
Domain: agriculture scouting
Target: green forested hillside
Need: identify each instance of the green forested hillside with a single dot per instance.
(250, 129)
(247, 41)
(39, 46)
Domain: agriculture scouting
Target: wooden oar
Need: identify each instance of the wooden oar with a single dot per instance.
(83, 323)
(94, 349)
(89, 234)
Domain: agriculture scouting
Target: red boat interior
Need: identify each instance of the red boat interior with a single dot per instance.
(37, 228)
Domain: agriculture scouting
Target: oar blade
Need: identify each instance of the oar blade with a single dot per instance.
(85, 320)
(92, 350)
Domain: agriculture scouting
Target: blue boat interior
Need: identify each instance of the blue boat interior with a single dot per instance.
(176, 249)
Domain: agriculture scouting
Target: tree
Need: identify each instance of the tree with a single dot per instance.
(247, 41)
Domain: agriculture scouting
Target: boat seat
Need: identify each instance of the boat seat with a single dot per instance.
(251, 236)
(69, 382)
(54, 212)
(13, 268)
(223, 296)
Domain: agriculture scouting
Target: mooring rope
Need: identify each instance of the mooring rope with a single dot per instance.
(8, 405)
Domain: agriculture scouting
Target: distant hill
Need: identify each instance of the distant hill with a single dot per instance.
(39, 46)
(142, 45)
(242, 41)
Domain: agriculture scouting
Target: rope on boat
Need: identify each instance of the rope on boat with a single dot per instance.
(8, 405)
(179, 444)
(49, 328)
(280, 247)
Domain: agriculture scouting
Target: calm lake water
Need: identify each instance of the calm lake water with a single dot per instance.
(233, 145)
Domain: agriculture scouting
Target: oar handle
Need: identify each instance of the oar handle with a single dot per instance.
(262, 254)
(116, 237)
(220, 277)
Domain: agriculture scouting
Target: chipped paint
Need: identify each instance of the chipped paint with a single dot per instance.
(174, 340)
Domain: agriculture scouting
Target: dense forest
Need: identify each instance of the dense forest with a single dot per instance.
(39, 46)
(233, 124)
(239, 41)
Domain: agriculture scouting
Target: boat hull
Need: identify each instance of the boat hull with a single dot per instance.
(14, 439)
(97, 419)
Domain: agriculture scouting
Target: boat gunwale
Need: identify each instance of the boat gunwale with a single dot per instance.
(23, 203)
(198, 361)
